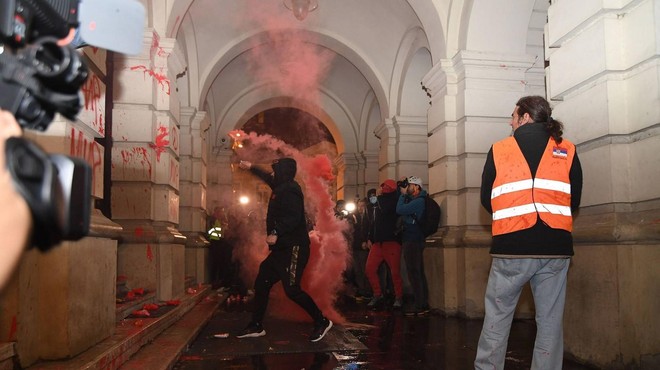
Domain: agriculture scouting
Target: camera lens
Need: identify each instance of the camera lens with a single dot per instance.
(61, 68)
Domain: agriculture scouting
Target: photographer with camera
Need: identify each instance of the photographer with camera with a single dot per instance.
(411, 206)
(15, 219)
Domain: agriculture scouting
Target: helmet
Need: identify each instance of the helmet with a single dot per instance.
(415, 180)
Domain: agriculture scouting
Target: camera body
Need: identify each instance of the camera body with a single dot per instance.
(39, 78)
(402, 183)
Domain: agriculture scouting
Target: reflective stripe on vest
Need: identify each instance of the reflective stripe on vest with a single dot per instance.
(215, 232)
(517, 199)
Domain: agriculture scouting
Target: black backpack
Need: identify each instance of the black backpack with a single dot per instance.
(431, 217)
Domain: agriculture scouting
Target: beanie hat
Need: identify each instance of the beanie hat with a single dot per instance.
(388, 186)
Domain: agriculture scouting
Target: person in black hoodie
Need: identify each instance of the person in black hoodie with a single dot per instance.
(288, 240)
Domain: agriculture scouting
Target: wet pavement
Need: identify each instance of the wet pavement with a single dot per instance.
(392, 340)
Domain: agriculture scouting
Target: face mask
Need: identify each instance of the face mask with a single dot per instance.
(373, 200)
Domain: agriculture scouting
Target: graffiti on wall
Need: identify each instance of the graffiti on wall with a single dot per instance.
(92, 113)
(86, 148)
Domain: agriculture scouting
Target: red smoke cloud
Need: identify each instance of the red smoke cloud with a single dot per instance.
(286, 56)
(330, 254)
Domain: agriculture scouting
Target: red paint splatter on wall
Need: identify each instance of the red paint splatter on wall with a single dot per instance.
(162, 79)
(89, 150)
(155, 46)
(92, 90)
(174, 137)
(150, 253)
(139, 232)
(139, 154)
(174, 172)
(161, 142)
(13, 328)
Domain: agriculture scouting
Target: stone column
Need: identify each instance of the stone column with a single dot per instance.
(604, 78)
(219, 190)
(339, 167)
(145, 198)
(472, 97)
(403, 148)
(370, 171)
(349, 172)
(193, 191)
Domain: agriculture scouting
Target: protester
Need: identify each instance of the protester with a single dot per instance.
(531, 184)
(384, 274)
(220, 250)
(383, 244)
(360, 250)
(288, 240)
(411, 205)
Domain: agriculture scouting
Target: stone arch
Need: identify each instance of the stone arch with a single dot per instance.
(260, 97)
(342, 47)
(409, 65)
(370, 118)
(433, 15)
(511, 20)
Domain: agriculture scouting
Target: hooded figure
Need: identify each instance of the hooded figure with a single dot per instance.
(284, 170)
(286, 210)
(288, 240)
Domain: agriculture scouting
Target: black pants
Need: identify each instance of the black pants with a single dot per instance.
(286, 265)
(220, 263)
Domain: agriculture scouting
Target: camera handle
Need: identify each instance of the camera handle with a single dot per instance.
(37, 177)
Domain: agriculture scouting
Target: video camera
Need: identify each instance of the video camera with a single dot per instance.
(39, 77)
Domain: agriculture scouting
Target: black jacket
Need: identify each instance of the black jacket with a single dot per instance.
(286, 208)
(540, 239)
(360, 226)
(382, 218)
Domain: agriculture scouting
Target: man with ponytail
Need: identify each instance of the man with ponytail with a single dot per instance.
(531, 184)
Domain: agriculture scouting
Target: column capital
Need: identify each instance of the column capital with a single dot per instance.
(385, 129)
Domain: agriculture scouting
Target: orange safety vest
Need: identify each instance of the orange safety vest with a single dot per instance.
(517, 199)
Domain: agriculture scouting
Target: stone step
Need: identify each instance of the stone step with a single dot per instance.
(7, 354)
(165, 350)
(130, 335)
(124, 309)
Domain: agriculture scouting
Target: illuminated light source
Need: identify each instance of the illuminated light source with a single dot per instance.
(244, 200)
(237, 137)
(301, 8)
(350, 207)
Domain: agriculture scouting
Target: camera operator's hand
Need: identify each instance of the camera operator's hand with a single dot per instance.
(15, 218)
(271, 239)
(245, 165)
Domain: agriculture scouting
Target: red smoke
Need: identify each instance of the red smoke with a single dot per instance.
(330, 254)
(287, 56)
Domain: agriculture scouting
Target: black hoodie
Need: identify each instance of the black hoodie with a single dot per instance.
(286, 208)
